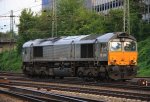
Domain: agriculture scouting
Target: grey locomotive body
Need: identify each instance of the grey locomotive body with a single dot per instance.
(84, 55)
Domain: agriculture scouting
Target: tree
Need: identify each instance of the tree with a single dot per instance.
(114, 21)
(27, 22)
(139, 27)
(68, 15)
(44, 24)
(75, 19)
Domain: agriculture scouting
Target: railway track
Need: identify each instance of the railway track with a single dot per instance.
(78, 86)
(131, 95)
(23, 96)
(78, 81)
(33, 94)
(125, 85)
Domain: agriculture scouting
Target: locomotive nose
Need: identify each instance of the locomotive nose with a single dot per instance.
(121, 58)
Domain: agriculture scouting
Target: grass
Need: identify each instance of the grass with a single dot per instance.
(144, 72)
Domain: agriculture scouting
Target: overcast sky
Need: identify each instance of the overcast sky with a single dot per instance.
(16, 5)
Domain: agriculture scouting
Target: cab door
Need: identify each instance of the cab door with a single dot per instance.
(103, 51)
(72, 55)
(31, 52)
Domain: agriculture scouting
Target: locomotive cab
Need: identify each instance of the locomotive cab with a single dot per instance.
(122, 58)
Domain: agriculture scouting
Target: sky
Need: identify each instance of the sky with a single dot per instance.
(17, 6)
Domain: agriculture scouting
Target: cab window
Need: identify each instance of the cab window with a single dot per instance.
(115, 46)
(130, 46)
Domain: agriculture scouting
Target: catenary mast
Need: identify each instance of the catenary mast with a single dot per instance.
(126, 16)
(54, 18)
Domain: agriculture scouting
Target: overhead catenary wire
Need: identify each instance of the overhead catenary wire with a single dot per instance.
(5, 15)
(8, 12)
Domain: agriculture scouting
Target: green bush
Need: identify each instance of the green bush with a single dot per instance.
(10, 61)
(144, 57)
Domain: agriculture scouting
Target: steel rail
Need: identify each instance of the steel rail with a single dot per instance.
(24, 97)
(131, 95)
(55, 97)
(111, 85)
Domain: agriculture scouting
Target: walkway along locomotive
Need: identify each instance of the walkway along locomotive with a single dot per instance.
(112, 55)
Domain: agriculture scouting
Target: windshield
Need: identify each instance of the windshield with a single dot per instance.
(115, 46)
(130, 46)
(120, 46)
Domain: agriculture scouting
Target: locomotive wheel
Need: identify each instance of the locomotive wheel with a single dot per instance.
(61, 77)
(102, 76)
(80, 74)
(42, 74)
(24, 70)
(90, 75)
(33, 73)
(53, 77)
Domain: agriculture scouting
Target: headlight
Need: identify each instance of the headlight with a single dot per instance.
(132, 62)
(113, 62)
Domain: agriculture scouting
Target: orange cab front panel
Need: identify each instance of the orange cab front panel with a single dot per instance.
(122, 59)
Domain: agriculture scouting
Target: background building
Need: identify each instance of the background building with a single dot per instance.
(105, 5)
(98, 5)
(6, 43)
(47, 4)
(146, 15)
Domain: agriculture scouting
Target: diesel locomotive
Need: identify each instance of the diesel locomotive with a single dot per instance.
(107, 56)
